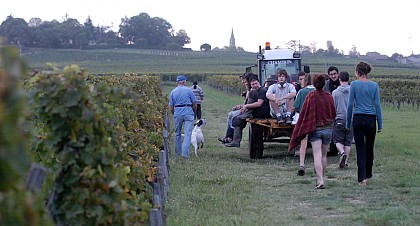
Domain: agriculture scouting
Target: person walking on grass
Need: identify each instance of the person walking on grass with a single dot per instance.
(332, 82)
(316, 120)
(365, 109)
(330, 85)
(300, 99)
(341, 136)
(199, 97)
(183, 106)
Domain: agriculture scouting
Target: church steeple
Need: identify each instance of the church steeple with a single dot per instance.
(232, 41)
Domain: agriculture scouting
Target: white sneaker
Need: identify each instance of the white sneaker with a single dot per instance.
(295, 118)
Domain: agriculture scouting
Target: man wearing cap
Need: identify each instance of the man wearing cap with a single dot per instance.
(183, 106)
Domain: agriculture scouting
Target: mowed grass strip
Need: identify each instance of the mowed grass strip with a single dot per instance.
(222, 186)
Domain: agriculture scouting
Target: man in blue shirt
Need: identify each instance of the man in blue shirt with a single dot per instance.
(183, 106)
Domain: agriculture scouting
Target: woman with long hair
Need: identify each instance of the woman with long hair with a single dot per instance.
(364, 108)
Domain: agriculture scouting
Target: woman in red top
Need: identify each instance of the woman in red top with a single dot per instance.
(316, 120)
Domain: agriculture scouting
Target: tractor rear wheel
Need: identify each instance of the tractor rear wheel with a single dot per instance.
(256, 141)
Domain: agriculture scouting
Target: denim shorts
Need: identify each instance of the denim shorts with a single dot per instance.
(323, 133)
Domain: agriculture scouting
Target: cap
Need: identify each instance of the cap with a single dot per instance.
(181, 78)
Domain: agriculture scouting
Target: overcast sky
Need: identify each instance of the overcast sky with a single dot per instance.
(386, 27)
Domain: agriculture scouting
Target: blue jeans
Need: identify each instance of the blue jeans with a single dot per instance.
(182, 148)
(229, 132)
(231, 115)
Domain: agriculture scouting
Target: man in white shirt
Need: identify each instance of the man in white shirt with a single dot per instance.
(281, 96)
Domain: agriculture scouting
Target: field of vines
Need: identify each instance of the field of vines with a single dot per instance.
(97, 138)
(120, 61)
(398, 82)
(394, 92)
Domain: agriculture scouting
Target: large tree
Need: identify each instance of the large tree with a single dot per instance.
(331, 51)
(353, 52)
(145, 32)
(140, 31)
(70, 32)
(205, 47)
(181, 38)
(90, 30)
(15, 31)
(293, 44)
(47, 35)
(305, 49)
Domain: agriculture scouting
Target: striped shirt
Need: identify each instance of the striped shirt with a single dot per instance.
(199, 94)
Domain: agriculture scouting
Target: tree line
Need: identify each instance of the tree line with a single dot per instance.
(141, 31)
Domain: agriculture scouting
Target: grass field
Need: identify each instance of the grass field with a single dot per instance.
(222, 186)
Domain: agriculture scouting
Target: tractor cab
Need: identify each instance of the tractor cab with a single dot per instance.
(270, 60)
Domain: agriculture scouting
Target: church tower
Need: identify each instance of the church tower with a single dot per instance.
(232, 41)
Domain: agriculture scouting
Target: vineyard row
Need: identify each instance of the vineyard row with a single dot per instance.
(98, 136)
(394, 92)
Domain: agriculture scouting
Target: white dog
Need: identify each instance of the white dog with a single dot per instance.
(197, 138)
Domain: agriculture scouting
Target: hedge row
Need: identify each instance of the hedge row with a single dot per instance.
(19, 204)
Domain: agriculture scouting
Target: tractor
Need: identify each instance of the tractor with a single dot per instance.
(267, 129)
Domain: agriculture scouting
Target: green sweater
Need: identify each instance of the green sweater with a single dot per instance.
(300, 97)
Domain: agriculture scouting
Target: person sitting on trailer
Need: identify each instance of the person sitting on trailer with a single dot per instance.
(299, 84)
(256, 107)
(236, 110)
(281, 98)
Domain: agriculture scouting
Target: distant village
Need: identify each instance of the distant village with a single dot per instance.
(412, 59)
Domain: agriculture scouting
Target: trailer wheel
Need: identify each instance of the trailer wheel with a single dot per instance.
(266, 134)
(256, 141)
